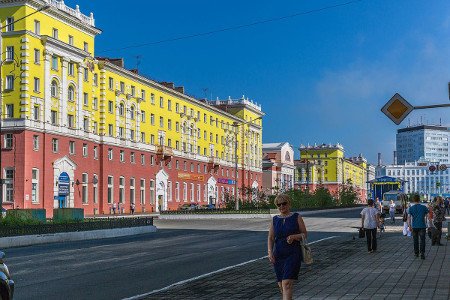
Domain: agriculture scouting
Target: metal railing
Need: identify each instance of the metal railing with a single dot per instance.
(86, 225)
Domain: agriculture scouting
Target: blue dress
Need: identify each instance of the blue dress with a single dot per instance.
(287, 256)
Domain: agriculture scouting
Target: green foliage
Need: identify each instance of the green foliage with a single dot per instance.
(18, 220)
(347, 195)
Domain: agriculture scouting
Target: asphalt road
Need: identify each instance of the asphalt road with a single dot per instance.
(128, 266)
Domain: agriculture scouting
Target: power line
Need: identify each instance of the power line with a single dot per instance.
(184, 37)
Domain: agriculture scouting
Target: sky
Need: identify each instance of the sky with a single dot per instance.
(321, 77)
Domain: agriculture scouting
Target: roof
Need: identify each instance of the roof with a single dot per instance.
(423, 127)
(274, 145)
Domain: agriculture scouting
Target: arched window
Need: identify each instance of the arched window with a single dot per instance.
(132, 113)
(287, 157)
(71, 93)
(121, 109)
(54, 90)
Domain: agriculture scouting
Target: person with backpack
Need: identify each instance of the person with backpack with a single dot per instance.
(417, 224)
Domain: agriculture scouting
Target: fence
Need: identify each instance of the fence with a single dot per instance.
(86, 225)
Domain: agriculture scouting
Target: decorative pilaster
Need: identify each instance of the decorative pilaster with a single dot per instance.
(63, 92)
(47, 87)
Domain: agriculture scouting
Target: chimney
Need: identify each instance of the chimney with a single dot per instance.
(169, 85)
(180, 89)
(395, 157)
(135, 71)
(379, 159)
(117, 61)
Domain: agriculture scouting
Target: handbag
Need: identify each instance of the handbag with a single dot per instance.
(306, 252)
(362, 233)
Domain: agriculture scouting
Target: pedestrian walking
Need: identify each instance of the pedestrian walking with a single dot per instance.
(379, 205)
(447, 206)
(438, 218)
(406, 231)
(114, 207)
(416, 223)
(283, 245)
(132, 208)
(392, 211)
(370, 219)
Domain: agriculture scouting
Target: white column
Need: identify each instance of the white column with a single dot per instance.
(79, 97)
(47, 85)
(63, 92)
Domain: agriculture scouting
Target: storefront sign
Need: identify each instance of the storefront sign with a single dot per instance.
(63, 184)
(187, 176)
(225, 181)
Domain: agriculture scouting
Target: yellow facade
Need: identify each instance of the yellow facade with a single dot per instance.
(58, 80)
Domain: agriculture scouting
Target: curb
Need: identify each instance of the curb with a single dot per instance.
(28, 240)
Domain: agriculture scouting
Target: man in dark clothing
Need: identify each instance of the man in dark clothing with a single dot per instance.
(438, 218)
(447, 206)
(417, 224)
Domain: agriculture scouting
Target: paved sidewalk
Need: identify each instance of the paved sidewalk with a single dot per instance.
(342, 270)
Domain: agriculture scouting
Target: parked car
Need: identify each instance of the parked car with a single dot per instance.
(207, 206)
(397, 197)
(6, 283)
(191, 206)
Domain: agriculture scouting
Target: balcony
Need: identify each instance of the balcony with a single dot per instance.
(164, 152)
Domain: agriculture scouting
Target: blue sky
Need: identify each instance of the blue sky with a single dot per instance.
(321, 77)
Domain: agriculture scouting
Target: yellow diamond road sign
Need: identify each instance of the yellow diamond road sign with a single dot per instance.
(397, 108)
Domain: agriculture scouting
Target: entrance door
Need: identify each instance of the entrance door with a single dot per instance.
(212, 190)
(161, 190)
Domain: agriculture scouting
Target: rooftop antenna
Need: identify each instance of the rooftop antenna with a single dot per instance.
(138, 61)
(205, 90)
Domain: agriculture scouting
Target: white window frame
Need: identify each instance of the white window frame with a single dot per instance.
(142, 191)
(84, 188)
(34, 185)
(110, 192)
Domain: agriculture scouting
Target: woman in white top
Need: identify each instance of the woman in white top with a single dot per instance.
(392, 211)
(370, 219)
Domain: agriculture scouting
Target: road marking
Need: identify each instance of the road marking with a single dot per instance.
(141, 296)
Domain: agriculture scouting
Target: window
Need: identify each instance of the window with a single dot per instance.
(132, 191)
(84, 188)
(110, 130)
(142, 193)
(132, 158)
(35, 185)
(37, 85)
(142, 137)
(177, 107)
(110, 154)
(8, 141)
(110, 189)
(142, 159)
(54, 63)
(70, 121)
(184, 191)
(152, 119)
(37, 56)
(152, 191)
(9, 111)
(152, 98)
(54, 89)
(121, 132)
(71, 147)
(122, 156)
(110, 107)
(86, 46)
(95, 152)
(94, 188)
(95, 103)
(152, 160)
(177, 127)
(85, 150)
(111, 83)
(132, 134)
(70, 40)
(192, 192)
(161, 122)
(169, 105)
(161, 102)
(121, 109)
(152, 139)
(55, 33)
(55, 146)
(85, 99)
(177, 191)
(142, 116)
(37, 27)
(122, 87)
(9, 186)
(132, 112)
(35, 142)
(121, 189)
(169, 191)
(71, 93)
(169, 124)
(95, 79)
(143, 95)
(9, 24)
(71, 69)
(133, 90)
(36, 112)
(86, 74)
(9, 53)
(9, 82)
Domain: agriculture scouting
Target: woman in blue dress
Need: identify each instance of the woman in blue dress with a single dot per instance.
(283, 245)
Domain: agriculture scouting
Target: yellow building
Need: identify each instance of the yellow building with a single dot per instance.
(326, 165)
(117, 135)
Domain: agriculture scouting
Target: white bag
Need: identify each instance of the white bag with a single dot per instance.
(406, 229)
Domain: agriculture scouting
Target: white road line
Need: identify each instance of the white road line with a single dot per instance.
(141, 296)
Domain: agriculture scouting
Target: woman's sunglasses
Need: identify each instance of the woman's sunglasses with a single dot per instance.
(282, 203)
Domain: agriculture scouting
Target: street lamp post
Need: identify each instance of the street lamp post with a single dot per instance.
(236, 127)
(1, 94)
